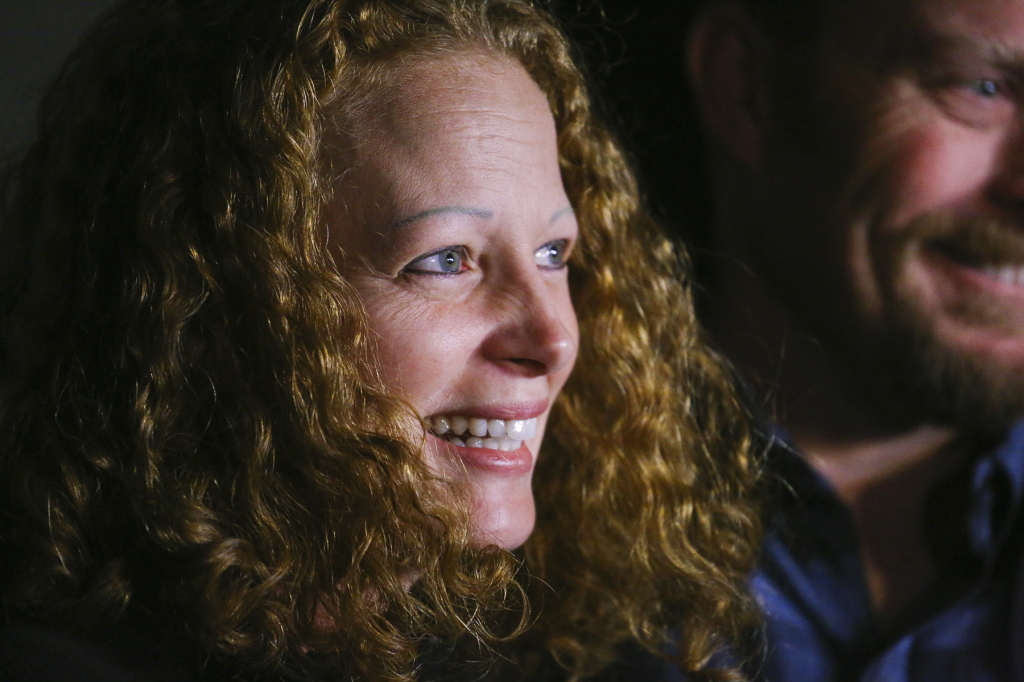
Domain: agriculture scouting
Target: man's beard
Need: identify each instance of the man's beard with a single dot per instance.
(913, 371)
(919, 378)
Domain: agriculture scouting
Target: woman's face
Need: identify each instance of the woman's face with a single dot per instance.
(454, 228)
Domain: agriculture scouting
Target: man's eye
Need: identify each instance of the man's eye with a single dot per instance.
(985, 87)
(450, 260)
(552, 255)
(978, 102)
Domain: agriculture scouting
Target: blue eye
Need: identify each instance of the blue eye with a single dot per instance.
(985, 87)
(552, 255)
(447, 261)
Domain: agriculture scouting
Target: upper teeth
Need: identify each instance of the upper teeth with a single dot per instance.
(1008, 274)
(496, 434)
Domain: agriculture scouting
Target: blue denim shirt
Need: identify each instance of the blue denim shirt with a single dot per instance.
(820, 625)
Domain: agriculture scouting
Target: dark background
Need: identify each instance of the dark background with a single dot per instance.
(633, 53)
(35, 37)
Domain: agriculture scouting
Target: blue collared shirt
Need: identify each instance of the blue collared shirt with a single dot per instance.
(820, 624)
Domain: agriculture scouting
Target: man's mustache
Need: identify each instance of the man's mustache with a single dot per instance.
(971, 240)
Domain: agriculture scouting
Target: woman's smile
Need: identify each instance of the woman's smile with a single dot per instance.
(491, 434)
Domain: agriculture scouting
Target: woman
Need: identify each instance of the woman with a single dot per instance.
(268, 269)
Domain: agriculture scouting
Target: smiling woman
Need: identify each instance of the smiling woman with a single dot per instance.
(290, 303)
(455, 230)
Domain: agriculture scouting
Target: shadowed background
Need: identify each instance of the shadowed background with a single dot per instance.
(35, 37)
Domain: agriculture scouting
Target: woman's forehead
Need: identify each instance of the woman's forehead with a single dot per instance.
(449, 135)
(415, 89)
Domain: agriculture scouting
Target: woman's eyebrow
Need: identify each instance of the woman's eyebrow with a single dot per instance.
(481, 213)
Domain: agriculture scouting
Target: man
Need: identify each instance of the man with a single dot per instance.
(867, 279)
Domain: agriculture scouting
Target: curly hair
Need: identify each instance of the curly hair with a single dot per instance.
(186, 422)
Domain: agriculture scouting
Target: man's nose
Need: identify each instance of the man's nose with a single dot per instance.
(1007, 186)
(536, 334)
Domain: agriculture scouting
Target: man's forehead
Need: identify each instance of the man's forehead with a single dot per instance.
(993, 29)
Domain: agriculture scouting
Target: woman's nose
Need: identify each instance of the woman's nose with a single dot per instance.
(536, 334)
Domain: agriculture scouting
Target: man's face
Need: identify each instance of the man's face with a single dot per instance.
(894, 194)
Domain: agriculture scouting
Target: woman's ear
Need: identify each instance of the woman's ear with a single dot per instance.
(727, 60)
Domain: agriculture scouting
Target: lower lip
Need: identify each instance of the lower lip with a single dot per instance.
(503, 462)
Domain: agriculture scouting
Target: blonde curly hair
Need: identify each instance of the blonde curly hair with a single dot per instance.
(185, 422)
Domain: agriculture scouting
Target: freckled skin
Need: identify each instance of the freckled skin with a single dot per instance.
(462, 153)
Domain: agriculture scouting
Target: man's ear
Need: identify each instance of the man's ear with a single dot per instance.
(726, 56)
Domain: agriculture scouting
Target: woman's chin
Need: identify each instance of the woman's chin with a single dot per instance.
(503, 517)
(502, 488)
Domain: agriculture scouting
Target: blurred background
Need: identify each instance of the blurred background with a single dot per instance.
(35, 37)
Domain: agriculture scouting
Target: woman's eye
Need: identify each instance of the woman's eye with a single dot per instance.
(552, 255)
(450, 260)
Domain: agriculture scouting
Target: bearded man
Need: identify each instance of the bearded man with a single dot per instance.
(866, 276)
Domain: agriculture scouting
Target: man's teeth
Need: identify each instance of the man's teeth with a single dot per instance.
(492, 434)
(1007, 274)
